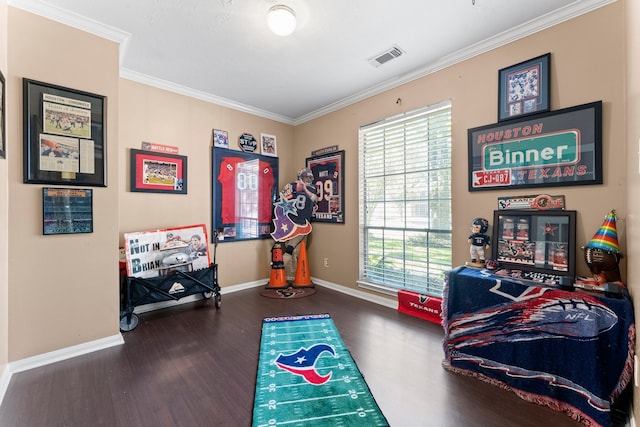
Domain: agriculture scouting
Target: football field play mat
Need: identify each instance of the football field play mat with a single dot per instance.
(307, 377)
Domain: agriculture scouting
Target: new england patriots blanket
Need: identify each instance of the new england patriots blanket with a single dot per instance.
(568, 350)
(307, 377)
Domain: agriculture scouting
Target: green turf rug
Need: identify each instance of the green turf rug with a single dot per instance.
(307, 377)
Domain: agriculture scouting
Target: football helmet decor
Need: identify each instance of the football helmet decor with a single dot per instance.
(491, 264)
(305, 173)
(482, 223)
(602, 253)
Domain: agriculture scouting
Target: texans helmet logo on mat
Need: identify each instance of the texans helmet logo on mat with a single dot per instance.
(303, 362)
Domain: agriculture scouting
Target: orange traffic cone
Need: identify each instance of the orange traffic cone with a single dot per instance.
(302, 278)
(278, 277)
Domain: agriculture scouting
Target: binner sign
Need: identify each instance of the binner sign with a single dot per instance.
(558, 148)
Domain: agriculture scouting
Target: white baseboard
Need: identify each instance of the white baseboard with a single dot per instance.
(4, 382)
(387, 302)
(64, 353)
(55, 356)
(392, 303)
(103, 343)
(196, 297)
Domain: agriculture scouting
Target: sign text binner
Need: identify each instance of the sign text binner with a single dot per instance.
(561, 148)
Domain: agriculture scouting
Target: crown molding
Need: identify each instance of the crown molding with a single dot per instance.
(566, 13)
(575, 9)
(204, 96)
(75, 20)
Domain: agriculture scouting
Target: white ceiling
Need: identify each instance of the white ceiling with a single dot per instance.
(222, 51)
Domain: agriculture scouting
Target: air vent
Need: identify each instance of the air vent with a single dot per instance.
(386, 56)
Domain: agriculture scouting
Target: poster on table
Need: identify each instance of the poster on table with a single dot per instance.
(158, 252)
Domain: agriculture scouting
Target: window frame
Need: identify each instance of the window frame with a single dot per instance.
(384, 135)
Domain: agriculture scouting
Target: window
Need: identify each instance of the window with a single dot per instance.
(405, 201)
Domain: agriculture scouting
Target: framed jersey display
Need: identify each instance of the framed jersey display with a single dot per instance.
(244, 186)
(328, 177)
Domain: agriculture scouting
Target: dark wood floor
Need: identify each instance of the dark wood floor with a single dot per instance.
(194, 365)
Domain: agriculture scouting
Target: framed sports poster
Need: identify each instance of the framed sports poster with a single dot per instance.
(155, 172)
(523, 89)
(535, 241)
(67, 211)
(328, 176)
(220, 138)
(244, 186)
(158, 252)
(64, 136)
(269, 144)
(558, 148)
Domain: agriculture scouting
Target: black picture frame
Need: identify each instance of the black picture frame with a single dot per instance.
(67, 211)
(524, 88)
(3, 122)
(244, 188)
(553, 149)
(220, 138)
(156, 172)
(535, 241)
(328, 178)
(64, 136)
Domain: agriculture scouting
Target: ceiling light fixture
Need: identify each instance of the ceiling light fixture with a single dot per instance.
(281, 20)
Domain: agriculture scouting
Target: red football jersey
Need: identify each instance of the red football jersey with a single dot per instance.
(246, 190)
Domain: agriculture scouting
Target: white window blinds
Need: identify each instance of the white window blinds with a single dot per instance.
(405, 200)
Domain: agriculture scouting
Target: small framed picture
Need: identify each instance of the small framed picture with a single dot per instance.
(523, 89)
(269, 146)
(67, 211)
(153, 172)
(220, 138)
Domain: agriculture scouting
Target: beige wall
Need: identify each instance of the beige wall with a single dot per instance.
(587, 57)
(62, 290)
(632, 25)
(153, 115)
(4, 222)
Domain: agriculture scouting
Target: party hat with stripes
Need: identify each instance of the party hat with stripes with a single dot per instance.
(606, 238)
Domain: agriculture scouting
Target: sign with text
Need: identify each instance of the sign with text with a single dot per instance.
(159, 252)
(558, 148)
(160, 148)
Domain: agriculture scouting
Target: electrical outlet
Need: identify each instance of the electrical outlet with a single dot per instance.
(326, 262)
